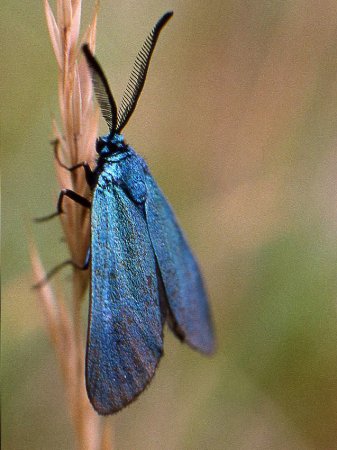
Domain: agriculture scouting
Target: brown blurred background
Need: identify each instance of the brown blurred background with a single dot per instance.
(238, 122)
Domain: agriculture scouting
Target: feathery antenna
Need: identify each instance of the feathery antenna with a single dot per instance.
(102, 90)
(138, 75)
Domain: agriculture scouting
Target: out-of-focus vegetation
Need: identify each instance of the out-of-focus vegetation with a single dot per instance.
(238, 122)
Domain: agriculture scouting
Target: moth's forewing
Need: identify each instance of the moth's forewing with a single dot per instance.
(125, 330)
(181, 276)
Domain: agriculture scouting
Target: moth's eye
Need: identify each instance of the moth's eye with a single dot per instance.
(100, 144)
(112, 147)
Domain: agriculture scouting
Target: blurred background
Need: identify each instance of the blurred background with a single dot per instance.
(238, 122)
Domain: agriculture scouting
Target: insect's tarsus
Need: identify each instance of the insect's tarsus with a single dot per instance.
(89, 174)
(70, 194)
(59, 267)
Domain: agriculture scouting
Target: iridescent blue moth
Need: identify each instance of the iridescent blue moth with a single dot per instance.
(143, 273)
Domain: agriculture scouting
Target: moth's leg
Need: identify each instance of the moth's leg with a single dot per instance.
(89, 174)
(59, 267)
(70, 194)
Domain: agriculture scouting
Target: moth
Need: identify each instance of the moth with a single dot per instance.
(143, 272)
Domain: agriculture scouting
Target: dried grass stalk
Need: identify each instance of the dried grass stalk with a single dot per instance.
(76, 139)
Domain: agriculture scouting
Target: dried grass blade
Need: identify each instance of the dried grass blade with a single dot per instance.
(75, 25)
(54, 33)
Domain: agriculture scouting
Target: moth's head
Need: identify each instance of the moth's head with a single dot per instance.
(105, 145)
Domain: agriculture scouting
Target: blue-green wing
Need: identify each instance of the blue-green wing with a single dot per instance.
(125, 328)
(180, 273)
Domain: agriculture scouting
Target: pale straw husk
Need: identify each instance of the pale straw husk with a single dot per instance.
(76, 137)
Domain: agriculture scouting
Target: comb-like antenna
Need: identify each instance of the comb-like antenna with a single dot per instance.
(137, 78)
(102, 90)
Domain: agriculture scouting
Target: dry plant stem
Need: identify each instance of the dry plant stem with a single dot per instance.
(79, 369)
(76, 136)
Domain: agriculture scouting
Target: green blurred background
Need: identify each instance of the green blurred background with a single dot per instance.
(238, 122)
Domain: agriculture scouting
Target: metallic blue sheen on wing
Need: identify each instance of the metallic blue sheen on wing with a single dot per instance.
(180, 273)
(125, 325)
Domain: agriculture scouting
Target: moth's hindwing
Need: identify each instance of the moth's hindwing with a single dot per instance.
(180, 272)
(125, 330)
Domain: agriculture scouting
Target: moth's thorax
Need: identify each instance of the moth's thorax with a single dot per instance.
(125, 169)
